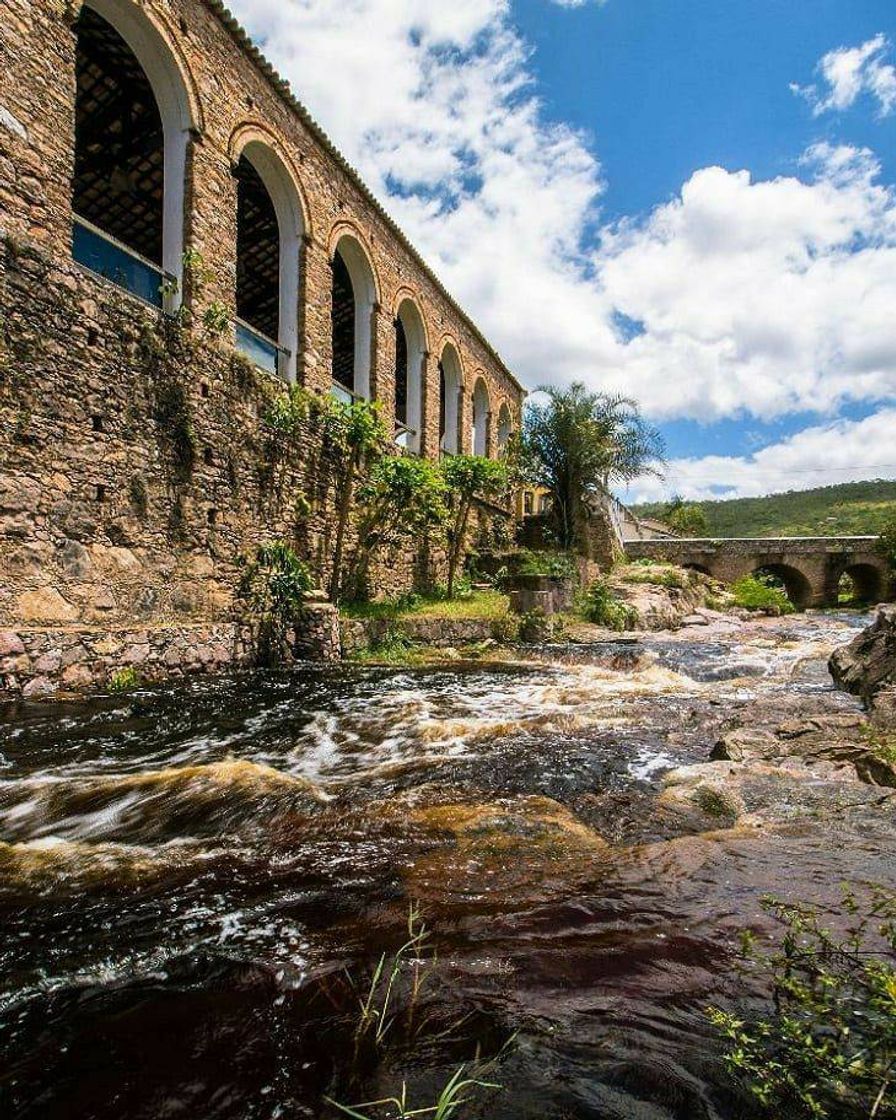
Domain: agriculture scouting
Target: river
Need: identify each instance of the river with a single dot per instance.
(196, 882)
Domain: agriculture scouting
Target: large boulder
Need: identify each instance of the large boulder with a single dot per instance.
(867, 666)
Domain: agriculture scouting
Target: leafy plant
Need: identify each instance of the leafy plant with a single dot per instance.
(275, 582)
(125, 680)
(356, 437)
(688, 519)
(554, 565)
(456, 1093)
(576, 445)
(468, 478)
(761, 593)
(402, 497)
(215, 319)
(603, 607)
(826, 1048)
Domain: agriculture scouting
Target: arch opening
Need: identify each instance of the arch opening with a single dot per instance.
(353, 301)
(860, 585)
(701, 568)
(269, 228)
(449, 400)
(505, 428)
(479, 435)
(410, 354)
(132, 121)
(790, 580)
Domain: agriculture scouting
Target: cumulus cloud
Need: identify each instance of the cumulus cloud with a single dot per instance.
(735, 297)
(849, 451)
(849, 72)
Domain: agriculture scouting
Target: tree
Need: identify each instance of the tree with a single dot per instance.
(576, 445)
(886, 546)
(355, 437)
(403, 497)
(686, 518)
(468, 478)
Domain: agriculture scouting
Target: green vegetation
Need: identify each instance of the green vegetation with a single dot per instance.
(825, 1049)
(125, 680)
(469, 478)
(686, 518)
(661, 575)
(491, 605)
(403, 497)
(886, 546)
(761, 593)
(577, 445)
(850, 509)
(553, 565)
(275, 583)
(391, 1004)
(599, 604)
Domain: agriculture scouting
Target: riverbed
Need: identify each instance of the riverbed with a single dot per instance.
(197, 883)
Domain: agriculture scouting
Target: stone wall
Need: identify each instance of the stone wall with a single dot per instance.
(43, 661)
(136, 473)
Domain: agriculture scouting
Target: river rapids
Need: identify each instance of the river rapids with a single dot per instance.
(197, 883)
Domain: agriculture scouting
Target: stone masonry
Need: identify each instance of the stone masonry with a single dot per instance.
(136, 474)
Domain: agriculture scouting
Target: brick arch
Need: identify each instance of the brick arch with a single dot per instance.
(481, 414)
(408, 295)
(446, 339)
(148, 32)
(254, 132)
(453, 367)
(345, 229)
(180, 109)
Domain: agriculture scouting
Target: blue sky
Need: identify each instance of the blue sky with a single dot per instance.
(691, 202)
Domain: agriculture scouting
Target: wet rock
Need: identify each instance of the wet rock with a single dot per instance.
(867, 666)
(40, 686)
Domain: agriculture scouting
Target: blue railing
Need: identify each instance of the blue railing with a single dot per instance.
(257, 347)
(107, 257)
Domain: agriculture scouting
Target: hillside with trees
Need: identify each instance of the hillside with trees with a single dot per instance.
(849, 509)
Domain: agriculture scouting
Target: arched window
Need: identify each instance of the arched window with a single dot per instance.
(132, 121)
(353, 302)
(269, 226)
(449, 391)
(505, 427)
(479, 440)
(410, 351)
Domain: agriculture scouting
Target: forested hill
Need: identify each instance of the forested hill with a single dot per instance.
(850, 509)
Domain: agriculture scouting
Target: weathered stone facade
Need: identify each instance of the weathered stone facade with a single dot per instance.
(135, 471)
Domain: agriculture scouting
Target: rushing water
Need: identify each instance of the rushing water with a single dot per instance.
(195, 882)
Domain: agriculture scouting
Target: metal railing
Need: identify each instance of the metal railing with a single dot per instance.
(104, 255)
(262, 351)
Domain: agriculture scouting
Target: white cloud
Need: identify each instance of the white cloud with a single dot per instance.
(849, 450)
(735, 297)
(848, 72)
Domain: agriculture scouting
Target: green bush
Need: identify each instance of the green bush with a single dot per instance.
(760, 593)
(554, 565)
(603, 607)
(124, 680)
(825, 1049)
(275, 582)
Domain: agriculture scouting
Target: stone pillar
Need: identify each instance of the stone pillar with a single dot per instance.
(382, 364)
(429, 407)
(490, 446)
(316, 292)
(464, 421)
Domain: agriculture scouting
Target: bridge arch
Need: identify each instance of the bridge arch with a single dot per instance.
(868, 582)
(796, 583)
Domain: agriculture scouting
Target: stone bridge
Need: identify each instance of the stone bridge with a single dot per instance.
(810, 567)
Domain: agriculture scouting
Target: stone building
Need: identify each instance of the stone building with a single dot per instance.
(179, 241)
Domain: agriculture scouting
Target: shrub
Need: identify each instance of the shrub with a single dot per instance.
(276, 581)
(556, 565)
(124, 680)
(601, 606)
(758, 593)
(826, 1049)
